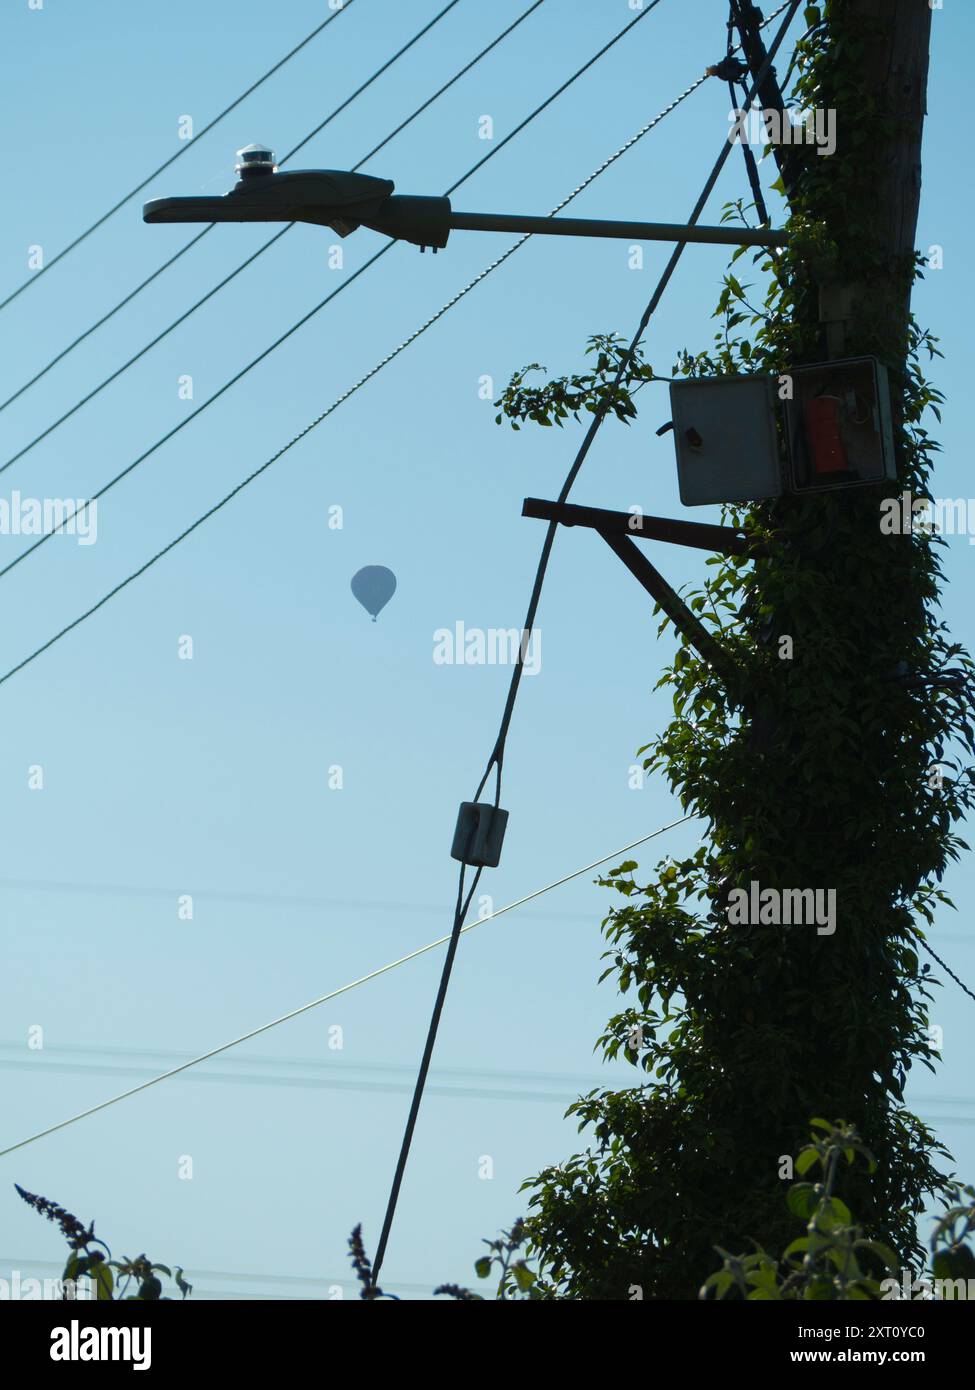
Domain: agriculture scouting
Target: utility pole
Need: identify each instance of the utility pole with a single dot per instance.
(817, 810)
(861, 820)
(826, 792)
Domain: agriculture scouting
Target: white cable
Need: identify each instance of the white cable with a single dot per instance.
(333, 994)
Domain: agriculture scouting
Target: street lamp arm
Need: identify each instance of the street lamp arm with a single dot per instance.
(632, 231)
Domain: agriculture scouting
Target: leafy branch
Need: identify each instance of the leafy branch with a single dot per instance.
(553, 402)
(111, 1278)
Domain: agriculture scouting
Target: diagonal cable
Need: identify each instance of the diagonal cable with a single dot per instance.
(334, 994)
(944, 966)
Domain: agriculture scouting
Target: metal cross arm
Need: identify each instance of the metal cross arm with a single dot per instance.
(344, 201)
(725, 540)
(617, 528)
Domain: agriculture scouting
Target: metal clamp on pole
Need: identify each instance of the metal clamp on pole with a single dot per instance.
(479, 834)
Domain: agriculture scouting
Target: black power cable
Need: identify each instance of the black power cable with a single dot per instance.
(210, 226)
(161, 269)
(497, 756)
(751, 166)
(944, 966)
(173, 157)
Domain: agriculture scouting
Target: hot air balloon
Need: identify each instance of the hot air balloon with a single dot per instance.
(374, 586)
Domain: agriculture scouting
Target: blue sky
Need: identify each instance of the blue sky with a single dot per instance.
(165, 777)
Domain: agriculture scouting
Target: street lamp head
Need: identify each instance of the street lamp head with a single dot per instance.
(336, 198)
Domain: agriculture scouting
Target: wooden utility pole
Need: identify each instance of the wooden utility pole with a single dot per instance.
(853, 603)
(894, 71)
(842, 656)
(894, 67)
(843, 742)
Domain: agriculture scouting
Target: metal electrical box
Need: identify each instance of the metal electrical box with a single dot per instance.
(726, 439)
(838, 425)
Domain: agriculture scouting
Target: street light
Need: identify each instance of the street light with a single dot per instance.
(344, 201)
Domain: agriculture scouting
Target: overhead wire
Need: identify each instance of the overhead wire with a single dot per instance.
(340, 400)
(204, 405)
(362, 1085)
(295, 901)
(373, 77)
(448, 1083)
(105, 318)
(300, 1071)
(25, 1262)
(335, 993)
(99, 222)
(944, 966)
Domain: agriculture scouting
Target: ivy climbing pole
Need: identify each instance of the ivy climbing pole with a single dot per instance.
(835, 763)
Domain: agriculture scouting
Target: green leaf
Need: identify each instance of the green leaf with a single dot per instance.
(797, 1247)
(831, 1213)
(524, 1277)
(482, 1267)
(103, 1279)
(722, 1282)
(954, 1264)
(802, 1200)
(819, 1290)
